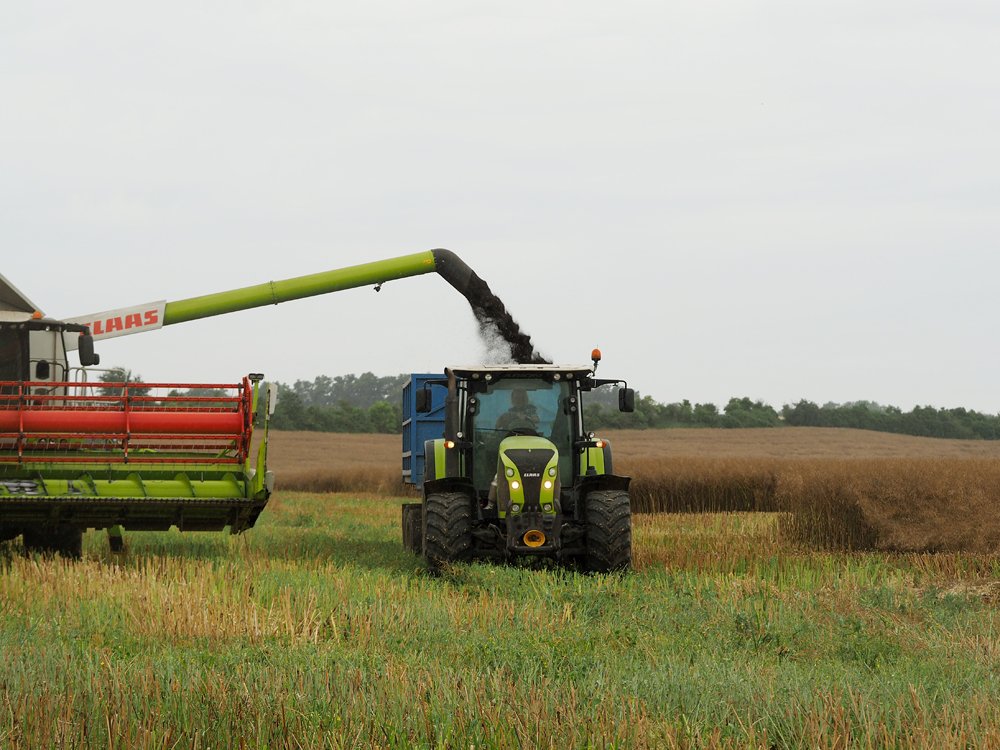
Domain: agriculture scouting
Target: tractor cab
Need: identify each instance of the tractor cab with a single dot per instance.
(516, 459)
(515, 408)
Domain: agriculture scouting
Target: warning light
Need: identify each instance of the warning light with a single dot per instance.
(600, 443)
(596, 355)
(449, 444)
(36, 315)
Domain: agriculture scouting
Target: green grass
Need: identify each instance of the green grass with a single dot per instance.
(316, 629)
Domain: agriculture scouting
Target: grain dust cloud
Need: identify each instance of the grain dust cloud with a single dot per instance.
(501, 335)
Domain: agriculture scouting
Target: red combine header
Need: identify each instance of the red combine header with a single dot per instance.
(155, 422)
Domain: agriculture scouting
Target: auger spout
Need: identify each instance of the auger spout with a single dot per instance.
(489, 310)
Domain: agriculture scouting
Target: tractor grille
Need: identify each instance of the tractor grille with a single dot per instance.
(531, 463)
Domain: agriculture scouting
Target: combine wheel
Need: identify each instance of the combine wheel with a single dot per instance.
(66, 541)
(447, 527)
(609, 531)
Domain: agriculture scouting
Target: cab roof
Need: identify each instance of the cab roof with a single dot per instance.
(13, 300)
(522, 370)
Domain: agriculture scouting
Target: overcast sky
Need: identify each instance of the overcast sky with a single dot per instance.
(782, 200)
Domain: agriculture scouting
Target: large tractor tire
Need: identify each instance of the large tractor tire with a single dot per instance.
(447, 528)
(66, 541)
(608, 515)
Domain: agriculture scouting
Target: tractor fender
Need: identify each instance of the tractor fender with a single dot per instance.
(602, 482)
(448, 484)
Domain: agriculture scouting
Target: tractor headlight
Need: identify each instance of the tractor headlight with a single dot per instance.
(547, 507)
(552, 471)
(548, 484)
(510, 471)
(515, 485)
(515, 509)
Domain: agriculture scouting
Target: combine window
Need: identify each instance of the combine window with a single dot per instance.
(11, 354)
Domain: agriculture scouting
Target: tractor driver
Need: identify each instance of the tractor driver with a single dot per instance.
(521, 415)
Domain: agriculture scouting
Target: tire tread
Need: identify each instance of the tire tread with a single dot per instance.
(447, 528)
(608, 516)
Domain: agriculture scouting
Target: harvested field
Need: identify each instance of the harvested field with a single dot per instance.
(317, 630)
(763, 630)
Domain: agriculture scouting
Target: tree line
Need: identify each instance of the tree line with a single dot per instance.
(371, 403)
(924, 421)
(345, 403)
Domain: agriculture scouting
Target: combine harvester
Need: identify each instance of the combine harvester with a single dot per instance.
(78, 455)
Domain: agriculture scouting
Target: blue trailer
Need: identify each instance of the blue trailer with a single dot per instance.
(421, 427)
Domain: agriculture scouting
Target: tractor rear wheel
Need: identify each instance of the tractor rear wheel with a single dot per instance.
(447, 527)
(609, 531)
(66, 541)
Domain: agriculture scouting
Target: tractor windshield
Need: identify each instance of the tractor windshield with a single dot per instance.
(521, 406)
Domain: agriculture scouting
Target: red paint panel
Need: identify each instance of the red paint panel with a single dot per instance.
(45, 421)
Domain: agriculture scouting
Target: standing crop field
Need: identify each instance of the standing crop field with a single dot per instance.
(847, 489)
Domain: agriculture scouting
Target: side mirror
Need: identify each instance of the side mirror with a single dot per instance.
(42, 370)
(88, 357)
(626, 400)
(423, 400)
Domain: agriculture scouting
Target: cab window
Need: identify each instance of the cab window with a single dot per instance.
(11, 354)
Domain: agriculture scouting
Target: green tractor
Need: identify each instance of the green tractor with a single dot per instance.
(514, 474)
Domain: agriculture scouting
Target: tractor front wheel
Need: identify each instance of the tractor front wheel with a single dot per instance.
(609, 531)
(66, 541)
(447, 527)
